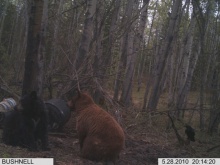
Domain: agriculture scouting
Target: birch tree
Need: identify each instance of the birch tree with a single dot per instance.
(55, 35)
(214, 76)
(141, 67)
(97, 64)
(122, 63)
(83, 50)
(164, 54)
(185, 65)
(214, 118)
(108, 52)
(134, 43)
(203, 23)
(186, 62)
(54, 47)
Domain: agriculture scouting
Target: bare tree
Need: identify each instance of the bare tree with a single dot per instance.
(203, 24)
(164, 54)
(33, 75)
(122, 63)
(142, 64)
(87, 34)
(2, 18)
(108, 53)
(55, 35)
(97, 64)
(54, 48)
(134, 42)
(214, 77)
(215, 106)
(185, 66)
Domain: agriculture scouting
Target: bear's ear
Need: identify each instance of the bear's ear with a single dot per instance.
(33, 95)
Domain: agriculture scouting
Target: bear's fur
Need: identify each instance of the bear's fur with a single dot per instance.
(190, 132)
(27, 126)
(101, 138)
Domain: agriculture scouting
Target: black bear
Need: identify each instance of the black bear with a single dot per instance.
(27, 126)
(190, 132)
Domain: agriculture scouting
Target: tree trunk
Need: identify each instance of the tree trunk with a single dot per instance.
(143, 58)
(204, 23)
(2, 19)
(215, 104)
(82, 53)
(54, 48)
(97, 64)
(186, 88)
(214, 83)
(107, 56)
(152, 72)
(164, 53)
(134, 43)
(55, 34)
(33, 74)
(186, 59)
(122, 62)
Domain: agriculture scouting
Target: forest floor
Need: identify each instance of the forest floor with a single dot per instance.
(146, 141)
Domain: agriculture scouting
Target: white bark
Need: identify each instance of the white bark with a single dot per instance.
(164, 54)
(86, 36)
(143, 57)
(185, 55)
(134, 42)
(124, 45)
(55, 39)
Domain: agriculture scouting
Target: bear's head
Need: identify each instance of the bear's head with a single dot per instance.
(81, 101)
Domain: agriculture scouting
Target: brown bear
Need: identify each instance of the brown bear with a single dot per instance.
(101, 138)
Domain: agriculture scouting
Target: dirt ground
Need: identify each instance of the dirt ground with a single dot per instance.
(144, 145)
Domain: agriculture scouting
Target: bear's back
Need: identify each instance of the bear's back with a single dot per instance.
(99, 121)
(104, 136)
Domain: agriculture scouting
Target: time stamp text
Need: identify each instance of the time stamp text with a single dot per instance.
(189, 161)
